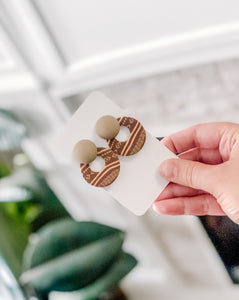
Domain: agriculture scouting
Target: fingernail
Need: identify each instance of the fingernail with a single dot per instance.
(159, 208)
(168, 169)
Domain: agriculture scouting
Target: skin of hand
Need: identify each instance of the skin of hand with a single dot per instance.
(205, 178)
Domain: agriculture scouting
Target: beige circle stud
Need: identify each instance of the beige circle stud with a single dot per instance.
(85, 151)
(107, 127)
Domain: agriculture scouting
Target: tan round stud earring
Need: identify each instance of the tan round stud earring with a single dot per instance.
(85, 152)
(107, 127)
(109, 130)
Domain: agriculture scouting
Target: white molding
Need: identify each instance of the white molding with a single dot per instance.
(17, 81)
(6, 62)
(170, 53)
(11, 59)
(14, 74)
(33, 39)
(156, 45)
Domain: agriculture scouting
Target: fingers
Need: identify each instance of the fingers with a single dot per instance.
(207, 156)
(208, 161)
(190, 173)
(174, 190)
(199, 205)
(203, 135)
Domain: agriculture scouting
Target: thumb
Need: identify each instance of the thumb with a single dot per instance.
(190, 173)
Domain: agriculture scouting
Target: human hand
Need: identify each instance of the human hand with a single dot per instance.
(205, 180)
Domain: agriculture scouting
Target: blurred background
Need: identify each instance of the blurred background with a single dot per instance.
(173, 64)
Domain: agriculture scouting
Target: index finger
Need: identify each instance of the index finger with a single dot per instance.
(207, 135)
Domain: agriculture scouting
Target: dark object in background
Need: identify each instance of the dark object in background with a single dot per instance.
(114, 294)
(224, 234)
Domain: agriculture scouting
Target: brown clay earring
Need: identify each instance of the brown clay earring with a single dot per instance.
(86, 152)
(108, 127)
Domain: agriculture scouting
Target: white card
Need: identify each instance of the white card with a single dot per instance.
(139, 182)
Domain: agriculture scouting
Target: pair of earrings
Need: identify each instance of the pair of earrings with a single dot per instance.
(107, 127)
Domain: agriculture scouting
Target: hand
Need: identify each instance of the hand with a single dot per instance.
(205, 180)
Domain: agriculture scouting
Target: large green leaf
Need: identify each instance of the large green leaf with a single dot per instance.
(77, 268)
(61, 236)
(121, 266)
(13, 240)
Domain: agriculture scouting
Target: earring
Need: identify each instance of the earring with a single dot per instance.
(108, 127)
(86, 152)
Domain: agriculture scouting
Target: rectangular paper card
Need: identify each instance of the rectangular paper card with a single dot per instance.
(138, 183)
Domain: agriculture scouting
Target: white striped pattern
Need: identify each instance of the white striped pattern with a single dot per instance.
(131, 139)
(108, 168)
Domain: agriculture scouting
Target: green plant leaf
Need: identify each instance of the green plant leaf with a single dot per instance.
(76, 268)
(4, 170)
(61, 236)
(121, 266)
